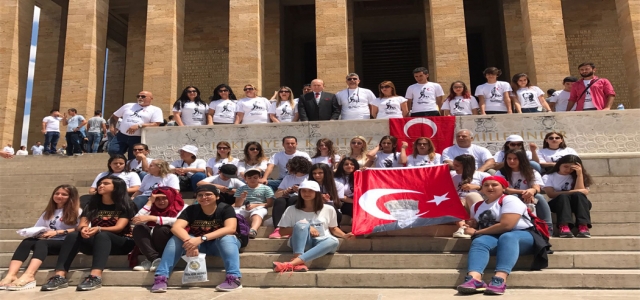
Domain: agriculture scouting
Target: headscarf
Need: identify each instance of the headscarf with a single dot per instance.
(499, 179)
(175, 203)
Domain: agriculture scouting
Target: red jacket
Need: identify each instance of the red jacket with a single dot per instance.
(600, 91)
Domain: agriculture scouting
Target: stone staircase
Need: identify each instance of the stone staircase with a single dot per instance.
(609, 260)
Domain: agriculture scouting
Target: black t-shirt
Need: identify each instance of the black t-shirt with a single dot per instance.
(108, 216)
(201, 223)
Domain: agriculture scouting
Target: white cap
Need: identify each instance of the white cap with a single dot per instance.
(191, 149)
(515, 138)
(312, 185)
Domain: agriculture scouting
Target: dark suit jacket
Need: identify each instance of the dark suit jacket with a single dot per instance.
(327, 109)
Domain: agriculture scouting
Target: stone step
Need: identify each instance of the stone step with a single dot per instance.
(374, 278)
(559, 260)
(615, 207)
(604, 188)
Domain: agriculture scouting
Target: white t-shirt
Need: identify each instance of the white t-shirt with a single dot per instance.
(53, 123)
(386, 160)
(389, 107)
(224, 111)
(588, 100)
(558, 182)
(547, 155)
(232, 183)
(37, 150)
(520, 183)
(494, 95)
(193, 114)
(562, 100)
(74, 122)
(499, 156)
(459, 106)
(215, 164)
(242, 166)
(424, 96)
(481, 154)
(133, 113)
(529, 97)
(135, 165)
(355, 103)
(281, 159)
(346, 187)
(476, 180)
(291, 180)
(284, 112)
(130, 178)
(256, 110)
(196, 164)
(22, 152)
(325, 160)
(489, 214)
(150, 183)
(323, 220)
(9, 150)
(55, 223)
(423, 160)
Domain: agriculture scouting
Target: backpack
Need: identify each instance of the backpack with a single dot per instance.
(242, 230)
(539, 225)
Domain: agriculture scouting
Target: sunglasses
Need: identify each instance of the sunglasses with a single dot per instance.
(385, 86)
(554, 138)
(356, 143)
(516, 144)
(352, 79)
(248, 89)
(223, 148)
(223, 91)
(141, 96)
(422, 144)
(253, 149)
(135, 150)
(288, 92)
(192, 91)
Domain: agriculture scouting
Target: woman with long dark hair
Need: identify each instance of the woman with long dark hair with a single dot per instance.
(332, 191)
(61, 218)
(117, 165)
(326, 153)
(553, 148)
(254, 158)
(568, 186)
(514, 142)
(530, 98)
(344, 175)
(468, 183)
(385, 156)
(103, 230)
(389, 105)
(222, 106)
(189, 109)
(223, 157)
(460, 102)
(424, 154)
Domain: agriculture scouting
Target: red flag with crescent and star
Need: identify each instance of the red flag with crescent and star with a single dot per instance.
(399, 198)
(441, 130)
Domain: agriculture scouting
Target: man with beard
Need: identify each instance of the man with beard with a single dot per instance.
(592, 92)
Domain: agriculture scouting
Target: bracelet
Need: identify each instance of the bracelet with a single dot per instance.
(99, 229)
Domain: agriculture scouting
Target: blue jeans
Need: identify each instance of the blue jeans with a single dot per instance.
(301, 239)
(94, 141)
(536, 166)
(530, 110)
(122, 144)
(74, 143)
(195, 178)
(507, 247)
(543, 211)
(274, 184)
(140, 201)
(226, 247)
(142, 174)
(51, 138)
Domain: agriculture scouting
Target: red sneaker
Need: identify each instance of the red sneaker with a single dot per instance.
(300, 268)
(565, 232)
(583, 231)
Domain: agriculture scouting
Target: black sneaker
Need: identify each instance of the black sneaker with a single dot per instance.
(90, 283)
(55, 283)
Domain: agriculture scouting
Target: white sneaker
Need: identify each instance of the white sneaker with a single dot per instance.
(154, 265)
(460, 233)
(144, 266)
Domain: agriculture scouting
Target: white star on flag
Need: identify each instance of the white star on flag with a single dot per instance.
(438, 199)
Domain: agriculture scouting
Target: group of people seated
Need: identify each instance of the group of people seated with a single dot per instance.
(137, 206)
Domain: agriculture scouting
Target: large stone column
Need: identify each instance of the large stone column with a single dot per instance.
(246, 42)
(163, 51)
(332, 43)
(449, 41)
(16, 19)
(86, 41)
(547, 57)
(271, 51)
(49, 66)
(134, 69)
(629, 22)
(516, 47)
(114, 94)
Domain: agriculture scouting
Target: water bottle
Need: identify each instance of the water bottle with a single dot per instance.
(620, 106)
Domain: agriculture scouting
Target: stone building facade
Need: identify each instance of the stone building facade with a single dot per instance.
(164, 45)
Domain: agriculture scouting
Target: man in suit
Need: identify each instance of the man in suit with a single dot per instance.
(318, 105)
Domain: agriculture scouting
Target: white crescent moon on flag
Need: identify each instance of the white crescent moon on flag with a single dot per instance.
(424, 121)
(369, 202)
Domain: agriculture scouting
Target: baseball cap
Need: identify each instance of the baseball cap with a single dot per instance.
(191, 149)
(229, 170)
(252, 172)
(515, 138)
(312, 185)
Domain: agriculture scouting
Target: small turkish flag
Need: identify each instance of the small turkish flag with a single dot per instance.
(399, 198)
(441, 130)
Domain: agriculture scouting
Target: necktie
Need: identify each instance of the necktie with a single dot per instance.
(318, 98)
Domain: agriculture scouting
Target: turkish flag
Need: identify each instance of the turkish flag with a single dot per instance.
(441, 130)
(398, 198)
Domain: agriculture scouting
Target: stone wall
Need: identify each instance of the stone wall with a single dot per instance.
(590, 133)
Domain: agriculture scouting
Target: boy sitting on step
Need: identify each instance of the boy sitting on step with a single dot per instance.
(253, 199)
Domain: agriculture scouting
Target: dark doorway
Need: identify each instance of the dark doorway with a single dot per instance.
(298, 46)
(477, 63)
(390, 60)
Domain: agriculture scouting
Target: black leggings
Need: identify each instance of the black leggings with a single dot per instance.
(279, 206)
(100, 246)
(347, 209)
(41, 248)
(567, 204)
(226, 198)
(151, 245)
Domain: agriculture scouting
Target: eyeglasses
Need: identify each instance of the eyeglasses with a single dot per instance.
(288, 92)
(385, 87)
(422, 144)
(141, 96)
(208, 195)
(554, 138)
(223, 91)
(248, 89)
(352, 79)
(191, 91)
(253, 149)
(223, 148)
(135, 150)
(356, 143)
(516, 144)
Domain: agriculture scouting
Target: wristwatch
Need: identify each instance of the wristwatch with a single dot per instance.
(204, 238)
(66, 232)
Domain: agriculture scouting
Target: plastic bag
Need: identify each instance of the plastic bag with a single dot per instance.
(196, 269)
(31, 231)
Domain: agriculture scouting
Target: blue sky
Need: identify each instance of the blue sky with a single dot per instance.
(32, 64)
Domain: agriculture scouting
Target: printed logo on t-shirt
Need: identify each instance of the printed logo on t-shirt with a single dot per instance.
(456, 105)
(135, 113)
(528, 98)
(285, 112)
(486, 219)
(257, 109)
(424, 96)
(518, 183)
(390, 106)
(388, 163)
(566, 186)
(109, 218)
(197, 114)
(587, 98)
(496, 94)
(225, 108)
(202, 227)
(355, 98)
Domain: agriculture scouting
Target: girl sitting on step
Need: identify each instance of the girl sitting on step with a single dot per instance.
(332, 191)
(313, 227)
(344, 175)
(117, 165)
(468, 183)
(61, 218)
(103, 230)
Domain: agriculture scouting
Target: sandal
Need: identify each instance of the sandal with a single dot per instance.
(5, 285)
(21, 285)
